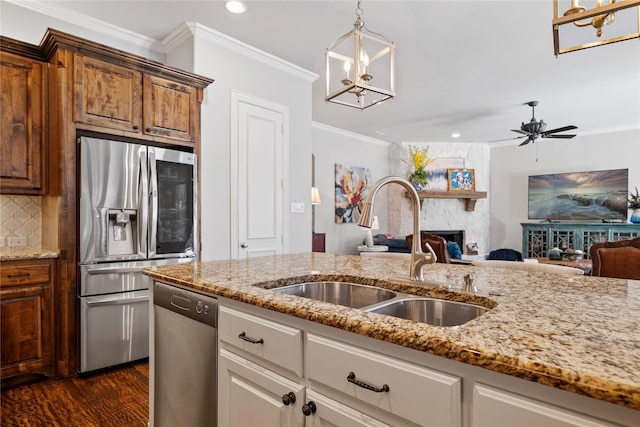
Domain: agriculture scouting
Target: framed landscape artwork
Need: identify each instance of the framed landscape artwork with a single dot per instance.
(461, 179)
(593, 195)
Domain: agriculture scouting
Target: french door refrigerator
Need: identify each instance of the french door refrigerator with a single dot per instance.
(136, 209)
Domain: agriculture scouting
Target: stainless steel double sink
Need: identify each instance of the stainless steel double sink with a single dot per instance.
(373, 299)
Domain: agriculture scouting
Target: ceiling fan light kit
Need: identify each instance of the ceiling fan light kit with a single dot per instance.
(582, 28)
(535, 129)
(360, 67)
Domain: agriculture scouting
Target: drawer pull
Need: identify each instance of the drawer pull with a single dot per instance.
(11, 276)
(309, 408)
(352, 379)
(288, 398)
(243, 336)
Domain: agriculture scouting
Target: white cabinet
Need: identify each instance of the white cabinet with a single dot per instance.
(261, 366)
(358, 381)
(493, 407)
(250, 395)
(330, 413)
(406, 390)
(269, 341)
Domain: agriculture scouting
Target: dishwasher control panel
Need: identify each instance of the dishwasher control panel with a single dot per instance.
(202, 308)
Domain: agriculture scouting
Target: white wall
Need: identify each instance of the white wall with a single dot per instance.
(240, 68)
(443, 214)
(511, 166)
(331, 146)
(29, 21)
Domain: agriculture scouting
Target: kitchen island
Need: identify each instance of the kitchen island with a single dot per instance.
(574, 333)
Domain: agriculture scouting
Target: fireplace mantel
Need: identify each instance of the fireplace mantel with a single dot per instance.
(469, 197)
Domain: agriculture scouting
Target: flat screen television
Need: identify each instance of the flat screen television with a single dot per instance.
(579, 196)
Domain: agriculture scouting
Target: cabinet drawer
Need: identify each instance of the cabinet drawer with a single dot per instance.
(268, 340)
(25, 274)
(420, 395)
(494, 407)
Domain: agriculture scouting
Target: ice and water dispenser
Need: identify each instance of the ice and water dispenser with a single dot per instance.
(122, 226)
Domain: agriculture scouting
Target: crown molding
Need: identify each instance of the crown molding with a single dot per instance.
(89, 23)
(327, 128)
(193, 29)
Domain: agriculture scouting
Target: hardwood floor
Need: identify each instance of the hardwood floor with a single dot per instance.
(117, 397)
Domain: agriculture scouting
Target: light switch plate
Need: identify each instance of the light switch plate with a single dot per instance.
(297, 207)
(15, 242)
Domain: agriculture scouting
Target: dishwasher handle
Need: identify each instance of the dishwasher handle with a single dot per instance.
(201, 308)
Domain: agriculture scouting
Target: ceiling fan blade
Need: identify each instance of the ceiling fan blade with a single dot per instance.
(520, 131)
(506, 139)
(565, 136)
(525, 142)
(562, 129)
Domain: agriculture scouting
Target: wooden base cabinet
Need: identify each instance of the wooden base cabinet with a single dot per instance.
(26, 289)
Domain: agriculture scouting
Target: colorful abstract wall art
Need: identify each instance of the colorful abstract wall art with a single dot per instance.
(352, 186)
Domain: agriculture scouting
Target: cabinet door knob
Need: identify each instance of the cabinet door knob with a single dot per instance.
(244, 245)
(309, 408)
(288, 398)
(136, 127)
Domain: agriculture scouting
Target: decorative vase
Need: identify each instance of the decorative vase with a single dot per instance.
(418, 180)
(417, 185)
(635, 216)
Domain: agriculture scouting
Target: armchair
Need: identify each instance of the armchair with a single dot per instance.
(439, 246)
(619, 259)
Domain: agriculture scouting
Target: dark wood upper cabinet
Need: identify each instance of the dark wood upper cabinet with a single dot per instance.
(22, 118)
(107, 95)
(171, 109)
(123, 99)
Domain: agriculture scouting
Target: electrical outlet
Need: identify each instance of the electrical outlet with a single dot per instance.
(15, 242)
(297, 207)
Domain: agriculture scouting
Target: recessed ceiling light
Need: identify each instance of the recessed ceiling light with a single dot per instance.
(455, 135)
(235, 6)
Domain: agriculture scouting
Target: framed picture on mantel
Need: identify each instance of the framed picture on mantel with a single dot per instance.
(461, 179)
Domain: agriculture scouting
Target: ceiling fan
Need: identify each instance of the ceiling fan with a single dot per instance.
(536, 129)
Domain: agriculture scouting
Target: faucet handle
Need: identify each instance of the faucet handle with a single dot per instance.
(469, 285)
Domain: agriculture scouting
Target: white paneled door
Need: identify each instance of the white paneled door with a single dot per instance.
(259, 128)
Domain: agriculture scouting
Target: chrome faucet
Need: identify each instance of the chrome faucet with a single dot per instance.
(418, 258)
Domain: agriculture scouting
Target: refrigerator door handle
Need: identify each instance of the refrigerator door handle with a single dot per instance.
(114, 270)
(143, 197)
(153, 203)
(118, 300)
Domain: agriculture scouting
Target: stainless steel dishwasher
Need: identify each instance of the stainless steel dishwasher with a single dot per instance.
(184, 358)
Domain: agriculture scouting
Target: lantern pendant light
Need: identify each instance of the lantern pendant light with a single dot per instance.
(360, 67)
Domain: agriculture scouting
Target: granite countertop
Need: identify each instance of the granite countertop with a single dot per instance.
(18, 254)
(576, 333)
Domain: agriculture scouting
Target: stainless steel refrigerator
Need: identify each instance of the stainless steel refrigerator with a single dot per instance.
(137, 209)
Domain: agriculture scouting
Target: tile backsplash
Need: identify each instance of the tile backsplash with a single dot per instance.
(21, 217)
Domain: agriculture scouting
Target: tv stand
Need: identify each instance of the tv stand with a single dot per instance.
(538, 238)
